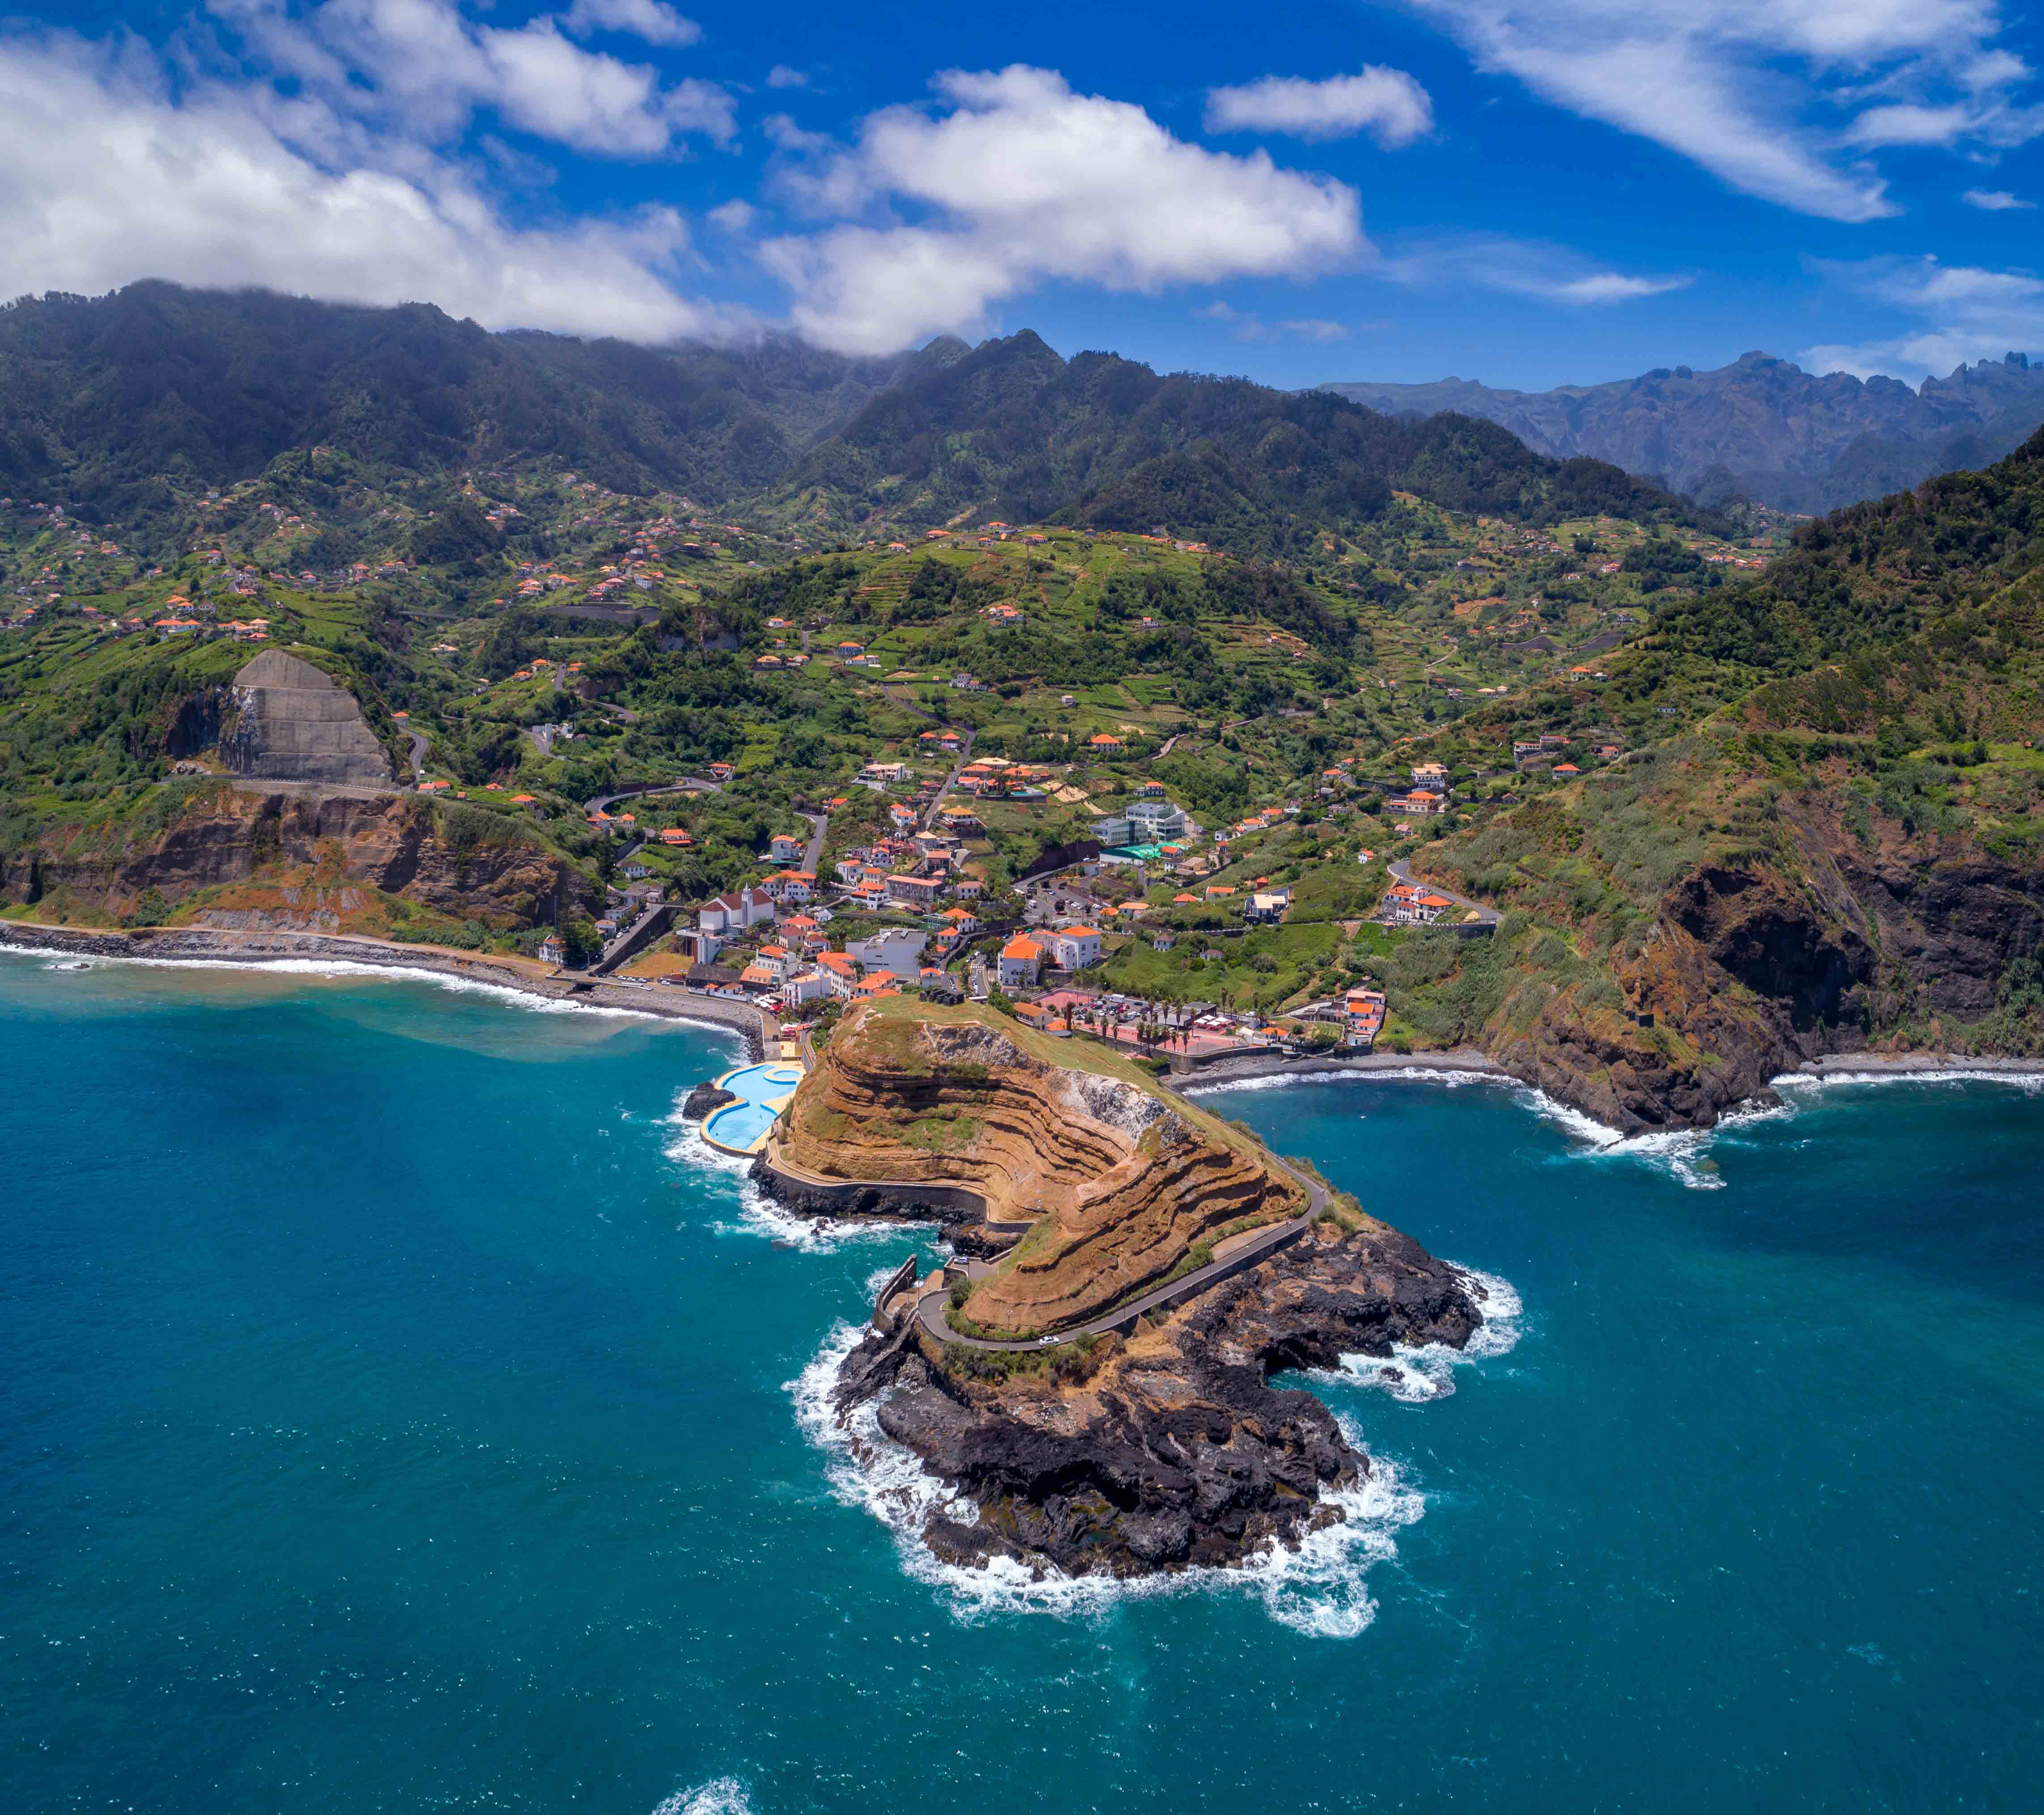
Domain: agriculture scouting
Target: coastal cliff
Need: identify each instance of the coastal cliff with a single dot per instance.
(261, 856)
(1158, 1446)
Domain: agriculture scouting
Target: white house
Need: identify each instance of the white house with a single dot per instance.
(1075, 948)
(895, 948)
(734, 913)
(1019, 957)
(806, 986)
(786, 847)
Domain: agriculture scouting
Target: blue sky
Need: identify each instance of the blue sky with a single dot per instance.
(1544, 192)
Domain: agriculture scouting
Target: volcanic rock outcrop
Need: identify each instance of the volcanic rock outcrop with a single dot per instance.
(1162, 1450)
(295, 724)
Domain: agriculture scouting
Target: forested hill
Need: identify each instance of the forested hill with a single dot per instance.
(116, 403)
(128, 407)
(1101, 441)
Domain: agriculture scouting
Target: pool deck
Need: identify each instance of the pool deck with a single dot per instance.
(763, 1089)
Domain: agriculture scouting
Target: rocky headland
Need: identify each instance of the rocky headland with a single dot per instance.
(1094, 1435)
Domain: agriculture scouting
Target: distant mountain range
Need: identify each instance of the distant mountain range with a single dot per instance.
(131, 405)
(1759, 428)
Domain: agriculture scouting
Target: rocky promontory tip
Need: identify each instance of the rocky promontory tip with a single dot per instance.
(1101, 1390)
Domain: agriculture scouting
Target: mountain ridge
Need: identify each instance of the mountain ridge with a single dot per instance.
(1761, 427)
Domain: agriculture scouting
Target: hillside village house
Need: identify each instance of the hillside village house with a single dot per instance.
(1019, 960)
(734, 913)
(1075, 948)
(919, 894)
(1408, 904)
(842, 971)
(791, 887)
(786, 847)
(807, 986)
(895, 948)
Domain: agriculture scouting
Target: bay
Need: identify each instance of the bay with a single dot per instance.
(399, 1410)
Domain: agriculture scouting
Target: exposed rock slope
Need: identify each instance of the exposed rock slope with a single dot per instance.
(1174, 1450)
(1125, 1183)
(294, 724)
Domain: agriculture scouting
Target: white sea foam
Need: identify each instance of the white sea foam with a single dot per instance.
(347, 967)
(2030, 1083)
(1318, 1589)
(1453, 1079)
(720, 1796)
(1416, 1373)
(759, 1215)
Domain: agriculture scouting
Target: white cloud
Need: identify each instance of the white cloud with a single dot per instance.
(653, 20)
(1757, 92)
(1017, 181)
(422, 69)
(1519, 267)
(1247, 325)
(1994, 201)
(106, 176)
(1966, 313)
(781, 76)
(1386, 103)
(733, 216)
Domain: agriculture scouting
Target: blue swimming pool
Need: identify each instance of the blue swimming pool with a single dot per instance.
(763, 1091)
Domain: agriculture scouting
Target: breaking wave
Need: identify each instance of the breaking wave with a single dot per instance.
(720, 1796)
(2030, 1083)
(346, 967)
(1320, 1589)
(1417, 1373)
(758, 1215)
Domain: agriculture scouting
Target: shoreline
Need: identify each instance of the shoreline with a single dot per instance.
(1879, 1067)
(256, 950)
(1461, 1059)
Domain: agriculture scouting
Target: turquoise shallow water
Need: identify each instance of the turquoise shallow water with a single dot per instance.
(395, 1414)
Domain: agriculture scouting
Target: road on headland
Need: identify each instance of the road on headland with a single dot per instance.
(931, 1310)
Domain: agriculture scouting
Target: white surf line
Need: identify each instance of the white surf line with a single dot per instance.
(1318, 1589)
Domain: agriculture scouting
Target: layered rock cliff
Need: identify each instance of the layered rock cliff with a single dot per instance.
(1174, 1450)
(244, 856)
(1160, 1450)
(1120, 1184)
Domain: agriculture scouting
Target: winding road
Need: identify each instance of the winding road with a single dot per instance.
(931, 1309)
(1402, 872)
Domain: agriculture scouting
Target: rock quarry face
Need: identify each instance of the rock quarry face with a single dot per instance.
(296, 724)
(1121, 1183)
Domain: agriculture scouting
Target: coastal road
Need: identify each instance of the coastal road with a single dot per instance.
(931, 1310)
(1403, 873)
(419, 742)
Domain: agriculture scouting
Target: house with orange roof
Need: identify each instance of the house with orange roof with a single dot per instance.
(1076, 948)
(1019, 960)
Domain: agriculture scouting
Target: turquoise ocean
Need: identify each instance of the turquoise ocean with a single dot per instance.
(401, 1410)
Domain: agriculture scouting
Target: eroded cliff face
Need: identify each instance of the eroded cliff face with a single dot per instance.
(1159, 1450)
(1174, 1450)
(1838, 943)
(1122, 1185)
(288, 859)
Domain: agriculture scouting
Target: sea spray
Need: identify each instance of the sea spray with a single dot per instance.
(1319, 1588)
(1417, 1373)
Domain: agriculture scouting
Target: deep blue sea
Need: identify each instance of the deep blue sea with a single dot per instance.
(399, 1411)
